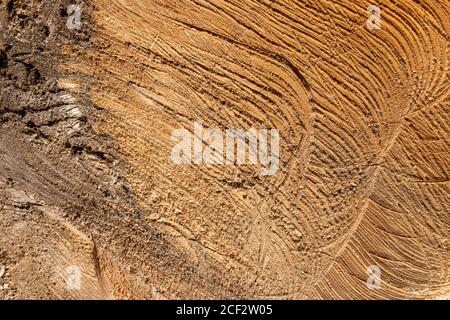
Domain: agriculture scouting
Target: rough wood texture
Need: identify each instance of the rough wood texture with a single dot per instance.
(364, 166)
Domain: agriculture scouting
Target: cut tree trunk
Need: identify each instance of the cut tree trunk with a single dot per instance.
(92, 204)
